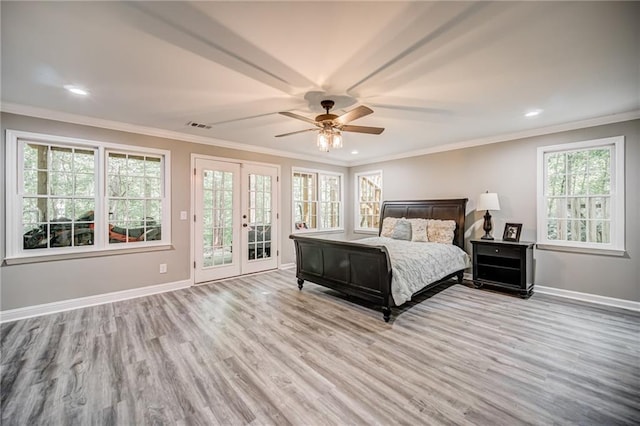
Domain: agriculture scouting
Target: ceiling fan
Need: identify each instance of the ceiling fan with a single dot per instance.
(331, 125)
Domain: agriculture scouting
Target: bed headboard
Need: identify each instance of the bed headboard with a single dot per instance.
(429, 209)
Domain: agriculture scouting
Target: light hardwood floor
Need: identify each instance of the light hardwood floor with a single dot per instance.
(255, 350)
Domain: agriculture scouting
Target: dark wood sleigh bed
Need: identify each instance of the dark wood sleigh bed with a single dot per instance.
(365, 271)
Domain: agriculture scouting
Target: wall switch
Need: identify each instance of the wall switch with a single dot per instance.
(163, 268)
(183, 215)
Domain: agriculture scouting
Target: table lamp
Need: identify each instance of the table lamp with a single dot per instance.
(487, 201)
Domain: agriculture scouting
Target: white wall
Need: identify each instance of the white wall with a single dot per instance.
(509, 168)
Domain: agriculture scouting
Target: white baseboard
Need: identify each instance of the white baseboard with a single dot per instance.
(287, 265)
(84, 302)
(587, 297)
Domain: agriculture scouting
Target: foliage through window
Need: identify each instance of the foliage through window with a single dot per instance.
(582, 201)
(368, 199)
(58, 187)
(317, 200)
(134, 185)
(59, 206)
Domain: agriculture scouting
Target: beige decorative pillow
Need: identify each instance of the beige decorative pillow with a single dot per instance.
(387, 226)
(441, 231)
(419, 230)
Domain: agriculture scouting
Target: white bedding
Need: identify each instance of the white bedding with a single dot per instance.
(415, 265)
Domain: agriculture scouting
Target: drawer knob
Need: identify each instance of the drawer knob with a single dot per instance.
(497, 251)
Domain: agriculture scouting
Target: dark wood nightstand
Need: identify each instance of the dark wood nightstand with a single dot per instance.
(504, 264)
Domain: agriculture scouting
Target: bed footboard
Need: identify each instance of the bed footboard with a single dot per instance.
(354, 269)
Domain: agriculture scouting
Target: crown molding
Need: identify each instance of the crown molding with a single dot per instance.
(152, 131)
(574, 125)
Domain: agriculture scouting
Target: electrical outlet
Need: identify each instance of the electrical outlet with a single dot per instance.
(183, 215)
(163, 268)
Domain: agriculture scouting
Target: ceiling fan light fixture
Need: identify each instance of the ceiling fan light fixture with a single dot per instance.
(336, 140)
(329, 138)
(331, 126)
(323, 141)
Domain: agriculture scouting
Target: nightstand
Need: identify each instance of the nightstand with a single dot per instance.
(505, 265)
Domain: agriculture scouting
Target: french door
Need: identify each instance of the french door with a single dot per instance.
(235, 219)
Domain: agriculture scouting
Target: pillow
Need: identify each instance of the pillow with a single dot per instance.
(441, 231)
(402, 230)
(419, 230)
(387, 226)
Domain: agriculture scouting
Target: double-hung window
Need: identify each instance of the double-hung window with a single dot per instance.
(68, 195)
(581, 196)
(368, 201)
(317, 200)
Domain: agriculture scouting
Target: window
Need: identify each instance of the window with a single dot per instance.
(134, 192)
(368, 199)
(58, 191)
(581, 195)
(317, 200)
(56, 204)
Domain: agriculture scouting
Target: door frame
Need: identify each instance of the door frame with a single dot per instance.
(192, 205)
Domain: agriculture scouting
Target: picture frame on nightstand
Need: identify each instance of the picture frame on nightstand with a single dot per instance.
(512, 232)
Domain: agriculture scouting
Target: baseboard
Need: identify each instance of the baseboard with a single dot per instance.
(587, 297)
(84, 302)
(287, 266)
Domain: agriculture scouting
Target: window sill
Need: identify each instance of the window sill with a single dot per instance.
(583, 250)
(83, 255)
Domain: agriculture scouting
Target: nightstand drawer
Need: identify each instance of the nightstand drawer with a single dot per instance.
(498, 251)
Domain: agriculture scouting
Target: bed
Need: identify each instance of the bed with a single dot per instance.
(365, 271)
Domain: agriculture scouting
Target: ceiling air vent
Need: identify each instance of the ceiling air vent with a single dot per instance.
(198, 125)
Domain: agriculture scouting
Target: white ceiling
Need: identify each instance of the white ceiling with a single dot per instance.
(435, 73)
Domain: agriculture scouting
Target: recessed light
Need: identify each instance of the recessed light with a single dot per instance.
(76, 90)
(533, 113)
(354, 152)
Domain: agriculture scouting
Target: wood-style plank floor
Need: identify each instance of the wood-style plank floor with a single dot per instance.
(255, 350)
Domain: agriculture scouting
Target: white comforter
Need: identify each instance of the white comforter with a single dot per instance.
(415, 265)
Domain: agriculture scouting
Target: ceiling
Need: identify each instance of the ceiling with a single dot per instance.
(437, 74)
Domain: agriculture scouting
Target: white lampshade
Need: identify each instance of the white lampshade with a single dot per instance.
(488, 201)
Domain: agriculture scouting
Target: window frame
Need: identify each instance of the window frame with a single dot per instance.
(14, 169)
(317, 202)
(356, 204)
(616, 246)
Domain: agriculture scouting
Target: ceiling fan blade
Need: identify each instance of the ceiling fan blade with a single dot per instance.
(354, 114)
(363, 129)
(293, 133)
(299, 117)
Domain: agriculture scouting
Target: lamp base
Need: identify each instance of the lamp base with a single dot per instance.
(487, 227)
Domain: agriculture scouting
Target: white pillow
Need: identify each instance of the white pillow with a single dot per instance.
(441, 231)
(387, 226)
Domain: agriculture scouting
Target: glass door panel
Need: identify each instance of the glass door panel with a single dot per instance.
(259, 216)
(217, 237)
